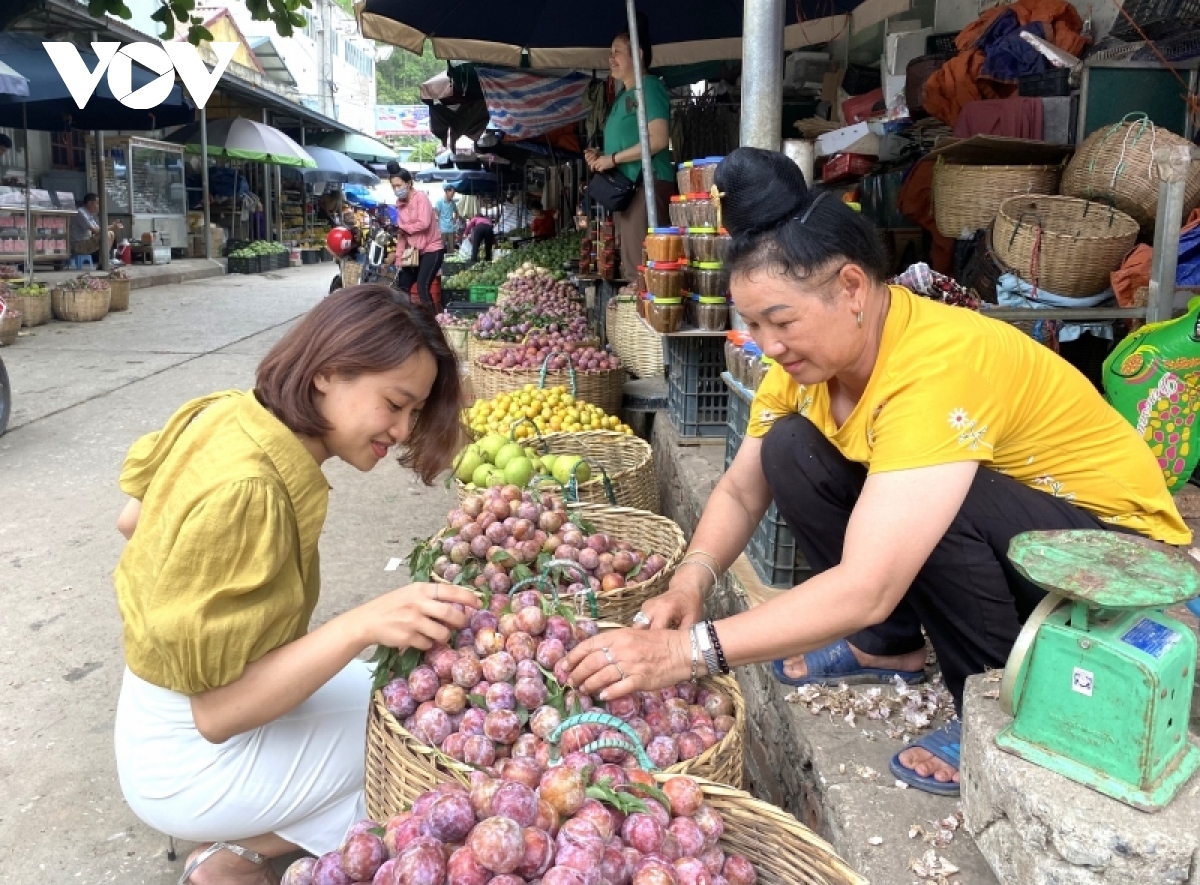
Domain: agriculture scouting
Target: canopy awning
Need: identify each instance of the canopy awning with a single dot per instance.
(272, 62)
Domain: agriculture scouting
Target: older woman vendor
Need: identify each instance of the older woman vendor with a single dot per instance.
(906, 443)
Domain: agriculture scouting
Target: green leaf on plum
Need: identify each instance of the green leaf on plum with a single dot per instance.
(523, 715)
(377, 831)
(521, 573)
(603, 791)
(649, 792)
(478, 701)
(409, 660)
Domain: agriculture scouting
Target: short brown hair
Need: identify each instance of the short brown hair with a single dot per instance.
(357, 331)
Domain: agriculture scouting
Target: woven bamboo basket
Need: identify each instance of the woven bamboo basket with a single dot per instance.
(967, 198)
(401, 766)
(646, 531)
(639, 347)
(10, 327)
(35, 309)
(476, 347)
(457, 339)
(80, 305)
(1061, 244)
(628, 462)
(1116, 165)
(120, 295)
(602, 389)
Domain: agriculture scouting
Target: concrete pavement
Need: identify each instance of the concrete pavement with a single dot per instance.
(82, 394)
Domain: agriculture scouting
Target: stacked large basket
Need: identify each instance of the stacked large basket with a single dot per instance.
(477, 346)
(644, 530)
(80, 305)
(1061, 244)
(120, 294)
(10, 325)
(602, 389)
(35, 308)
(1116, 165)
(638, 346)
(967, 198)
(627, 463)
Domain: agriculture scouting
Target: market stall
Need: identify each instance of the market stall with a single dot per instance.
(145, 188)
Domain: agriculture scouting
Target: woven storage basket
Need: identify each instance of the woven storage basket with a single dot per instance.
(602, 389)
(646, 531)
(35, 309)
(10, 326)
(967, 198)
(628, 461)
(639, 347)
(400, 766)
(1061, 244)
(476, 347)
(120, 295)
(457, 339)
(1116, 165)
(80, 305)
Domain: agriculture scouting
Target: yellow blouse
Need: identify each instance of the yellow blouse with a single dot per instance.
(223, 566)
(950, 385)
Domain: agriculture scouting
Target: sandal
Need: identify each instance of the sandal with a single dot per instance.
(252, 856)
(945, 744)
(836, 664)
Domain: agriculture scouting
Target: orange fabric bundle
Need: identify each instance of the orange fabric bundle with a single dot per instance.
(1134, 272)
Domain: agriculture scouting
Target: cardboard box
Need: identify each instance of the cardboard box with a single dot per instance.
(900, 49)
(860, 138)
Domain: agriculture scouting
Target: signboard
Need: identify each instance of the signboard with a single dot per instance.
(402, 119)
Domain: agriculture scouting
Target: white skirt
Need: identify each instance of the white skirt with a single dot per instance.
(300, 777)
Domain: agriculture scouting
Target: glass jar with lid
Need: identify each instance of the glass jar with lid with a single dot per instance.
(683, 178)
(712, 314)
(701, 212)
(724, 246)
(664, 244)
(751, 366)
(708, 172)
(664, 279)
(690, 302)
(678, 210)
(664, 314)
(702, 244)
(733, 352)
(710, 279)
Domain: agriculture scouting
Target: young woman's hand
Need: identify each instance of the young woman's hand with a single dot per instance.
(416, 616)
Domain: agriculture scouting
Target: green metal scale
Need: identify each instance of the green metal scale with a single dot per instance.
(1099, 682)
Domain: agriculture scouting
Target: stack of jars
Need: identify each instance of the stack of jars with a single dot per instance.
(744, 360)
(697, 176)
(706, 249)
(607, 251)
(663, 307)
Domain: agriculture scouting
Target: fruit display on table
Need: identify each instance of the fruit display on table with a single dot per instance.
(532, 410)
(553, 351)
(550, 254)
(498, 460)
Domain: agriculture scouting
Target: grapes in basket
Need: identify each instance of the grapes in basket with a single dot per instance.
(575, 825)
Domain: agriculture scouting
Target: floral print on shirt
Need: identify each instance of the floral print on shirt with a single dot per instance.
(970, 432)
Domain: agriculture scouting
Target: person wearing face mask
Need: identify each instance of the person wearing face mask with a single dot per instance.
(622, 148)
(906, 443)
(418, 230)
(238, 726)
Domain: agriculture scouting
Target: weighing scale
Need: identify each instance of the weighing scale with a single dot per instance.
(1099, 682)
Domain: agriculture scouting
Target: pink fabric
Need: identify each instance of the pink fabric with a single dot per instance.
(418, 225)
(473, 223)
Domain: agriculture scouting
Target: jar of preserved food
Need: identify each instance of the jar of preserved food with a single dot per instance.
(639, 284)
(664, 244)
(690, 313)
(709, 279)
(683, 178)
(712, 314)
(642, 301)
(678, 211)
(724, 246)
(751, 366)
(702, 244)
(664, 314)
(664, 279)
(701, 212)
(708, 172)
(734, 339)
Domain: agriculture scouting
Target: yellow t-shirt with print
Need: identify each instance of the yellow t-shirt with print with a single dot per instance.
(951, 385)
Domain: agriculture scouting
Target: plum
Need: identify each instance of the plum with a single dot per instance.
(523, 770)
(613, 755)
(435, 724)
(480, 546)
(578, 845)
(614, 774)
(642, 729)
(663, 751)
(739, 871)
(398, 699)
(507, 879)
(516, 802)
(483, 788)
(479, 750)
(421, 863)
(451, 698)
(723, 725)
(614, 867)
(386, 874)
(526, 748)
(499, 602)
(548, 819)
(575, 699)
(718, 704)
(575, 738)
(472, 721)
(528, 670)
(454, 745)
(573, 537)
(714, 859)
(690, 871)
(685, 795)
(499, 667)
(497, 844)
(449, 818)
(464, 869)
(564, 876)
(670, 847)
(508, 625)
(643, 832)
(500, 696)
(531, 693)
(600, 817)
(502, 726)
(362, 855)
(300, 872)
(707, 735)
(465, 641)
(551, 521)
(532, 620)
(710, 823)
(521, 646)
(550, 651)
(483, 619)
(488, 641)
(626, 708)
(589, 559)
(328, 870)
(653, 871)
(558, 627)
(691, 744)
(539, 853)
(565, 789)
(400, 831)
(691, 840)
(423, 683)
(467, 671)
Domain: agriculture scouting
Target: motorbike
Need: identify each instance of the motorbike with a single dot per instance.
(364, 256)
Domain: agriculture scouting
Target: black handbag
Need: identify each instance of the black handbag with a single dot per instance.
(612, 190)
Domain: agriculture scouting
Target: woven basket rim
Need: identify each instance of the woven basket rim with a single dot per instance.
(1058, 201)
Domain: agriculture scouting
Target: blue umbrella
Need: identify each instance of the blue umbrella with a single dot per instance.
(12, 83)
(337, 167)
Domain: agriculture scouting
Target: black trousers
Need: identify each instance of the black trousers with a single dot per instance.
(422, 275)
(967, 596)
(482, 235)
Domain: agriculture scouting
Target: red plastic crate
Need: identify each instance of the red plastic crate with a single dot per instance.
(844, 166)
(864, 107)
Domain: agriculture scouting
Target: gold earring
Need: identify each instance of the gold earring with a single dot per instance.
(859, 318)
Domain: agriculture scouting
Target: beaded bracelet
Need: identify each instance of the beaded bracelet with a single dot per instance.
(716, 644)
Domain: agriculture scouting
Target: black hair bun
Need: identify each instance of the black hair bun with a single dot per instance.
(761, 188)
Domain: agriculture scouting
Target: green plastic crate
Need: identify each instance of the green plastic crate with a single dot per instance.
(484, 294)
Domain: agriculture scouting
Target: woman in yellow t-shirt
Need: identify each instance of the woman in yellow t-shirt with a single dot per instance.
(906, 443)
(237, 727)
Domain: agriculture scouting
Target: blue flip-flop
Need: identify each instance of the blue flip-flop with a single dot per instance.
(945, 744)
(836, 664)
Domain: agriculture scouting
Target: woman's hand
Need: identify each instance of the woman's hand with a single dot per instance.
(603, 163)
(416, 616)
(619, 662)
(680, 607)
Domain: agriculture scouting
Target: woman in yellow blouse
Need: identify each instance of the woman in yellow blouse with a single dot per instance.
(906, 443)
(237, 727)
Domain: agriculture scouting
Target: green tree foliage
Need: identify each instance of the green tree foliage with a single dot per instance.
(171, 14)
(398, 78)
